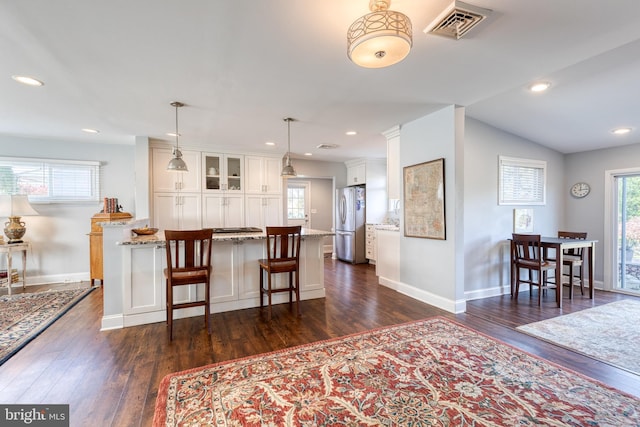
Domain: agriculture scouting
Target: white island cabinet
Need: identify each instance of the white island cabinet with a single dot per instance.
(135, 293)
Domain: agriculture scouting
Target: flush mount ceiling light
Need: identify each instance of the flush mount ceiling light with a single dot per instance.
(621, 131)
(539, 86)
(30, 81)
(288, 169)
(88, 130)
(380, 38)
(177, 164)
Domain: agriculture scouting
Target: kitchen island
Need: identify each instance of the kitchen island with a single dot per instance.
(134, 285)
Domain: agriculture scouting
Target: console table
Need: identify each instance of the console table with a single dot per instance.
(8, 250)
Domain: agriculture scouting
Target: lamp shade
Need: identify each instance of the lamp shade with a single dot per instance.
(379, 39)
(15, 205)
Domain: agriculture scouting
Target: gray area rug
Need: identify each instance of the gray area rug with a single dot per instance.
(609, 333)
(24, 316)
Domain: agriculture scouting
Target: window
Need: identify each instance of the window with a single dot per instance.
(50, 180)
(522, 181)
(295, 203)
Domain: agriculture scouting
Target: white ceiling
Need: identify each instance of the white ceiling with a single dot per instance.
(241, 66)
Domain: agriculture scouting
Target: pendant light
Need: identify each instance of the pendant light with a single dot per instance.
(380, 38)
(177, 164)
(288, 169)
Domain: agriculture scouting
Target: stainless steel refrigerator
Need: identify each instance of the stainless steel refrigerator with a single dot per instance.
(350, 224)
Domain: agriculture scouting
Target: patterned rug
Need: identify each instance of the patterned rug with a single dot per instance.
(25, 316)
(609, 333)
(433, 372)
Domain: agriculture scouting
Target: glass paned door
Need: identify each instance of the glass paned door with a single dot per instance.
(628, 232)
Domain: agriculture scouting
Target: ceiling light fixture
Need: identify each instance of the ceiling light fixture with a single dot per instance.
(30, 81)
(177, 164)
(621, 131)
(380, 38)
(351, 133)
(287, 169)
(539, 87)
(88, 130)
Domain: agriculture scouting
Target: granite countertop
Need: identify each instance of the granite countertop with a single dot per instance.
(158, 238)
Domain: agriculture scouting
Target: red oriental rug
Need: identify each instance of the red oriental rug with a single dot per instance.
(432, 372)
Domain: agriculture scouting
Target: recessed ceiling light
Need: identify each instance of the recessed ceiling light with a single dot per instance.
(621, 131)
(539, 86)
(269, 143)
(87, 130)
(27, 80)
(351, 132)
(308, 154)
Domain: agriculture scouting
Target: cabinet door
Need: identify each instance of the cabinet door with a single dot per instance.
(223, 172)
(356, 174)
(263, 175)
(223, 211)
(263, 211)
(213, 211)
(165, 216)
(168, 181)
(189, 211)
(175, 211)
(234, 168)
(253, 175)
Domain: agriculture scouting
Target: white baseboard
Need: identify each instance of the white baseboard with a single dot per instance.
(425, 296)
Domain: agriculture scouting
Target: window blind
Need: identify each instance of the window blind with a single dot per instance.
(522, 181)
(53, 181)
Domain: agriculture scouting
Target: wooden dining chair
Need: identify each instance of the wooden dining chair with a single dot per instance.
(188, 263)
(526, 254)
(283, 256)
(573, 259)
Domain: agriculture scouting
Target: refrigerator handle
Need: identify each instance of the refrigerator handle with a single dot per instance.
(343, 208)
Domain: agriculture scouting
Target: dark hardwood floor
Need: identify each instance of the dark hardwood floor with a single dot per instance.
(111, 378)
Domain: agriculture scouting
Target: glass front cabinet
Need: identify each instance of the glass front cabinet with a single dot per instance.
(223, 172)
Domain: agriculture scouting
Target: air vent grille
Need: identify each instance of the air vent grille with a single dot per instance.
(457, 20)
(327, 146)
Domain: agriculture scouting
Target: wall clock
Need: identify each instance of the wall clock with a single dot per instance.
(580, 189)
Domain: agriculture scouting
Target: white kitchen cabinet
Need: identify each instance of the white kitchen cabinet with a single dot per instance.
(177, 211)
(370, 245)
(262, 211)
(170, 181)
(263, 175)
(222, 210)
(223, 172)
(356, 172)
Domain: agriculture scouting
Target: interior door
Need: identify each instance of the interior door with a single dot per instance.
(298, 203)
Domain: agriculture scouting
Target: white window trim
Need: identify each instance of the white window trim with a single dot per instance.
(517, 198)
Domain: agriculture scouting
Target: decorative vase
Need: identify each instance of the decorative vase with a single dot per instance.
(14, 229)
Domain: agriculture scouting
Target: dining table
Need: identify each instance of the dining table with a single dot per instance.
(559, 245)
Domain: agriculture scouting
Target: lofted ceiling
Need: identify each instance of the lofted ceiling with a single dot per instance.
(241, 66)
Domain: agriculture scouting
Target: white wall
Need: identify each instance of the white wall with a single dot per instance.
(487, 225)
(431, 270)
(587, 214)
(60, 245)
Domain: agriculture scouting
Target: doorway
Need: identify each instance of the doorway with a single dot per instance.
(625, 231)
(298, 203)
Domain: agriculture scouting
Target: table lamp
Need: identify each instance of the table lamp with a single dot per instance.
(13, 207)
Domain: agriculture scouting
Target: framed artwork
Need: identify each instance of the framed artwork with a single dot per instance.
(424, 200)
(523, 220)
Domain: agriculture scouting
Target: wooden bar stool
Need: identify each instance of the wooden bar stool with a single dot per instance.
(188, 263)
(526, 254)
(283, 256)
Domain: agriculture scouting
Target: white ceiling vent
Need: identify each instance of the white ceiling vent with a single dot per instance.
(326, 146)
(456, 20)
